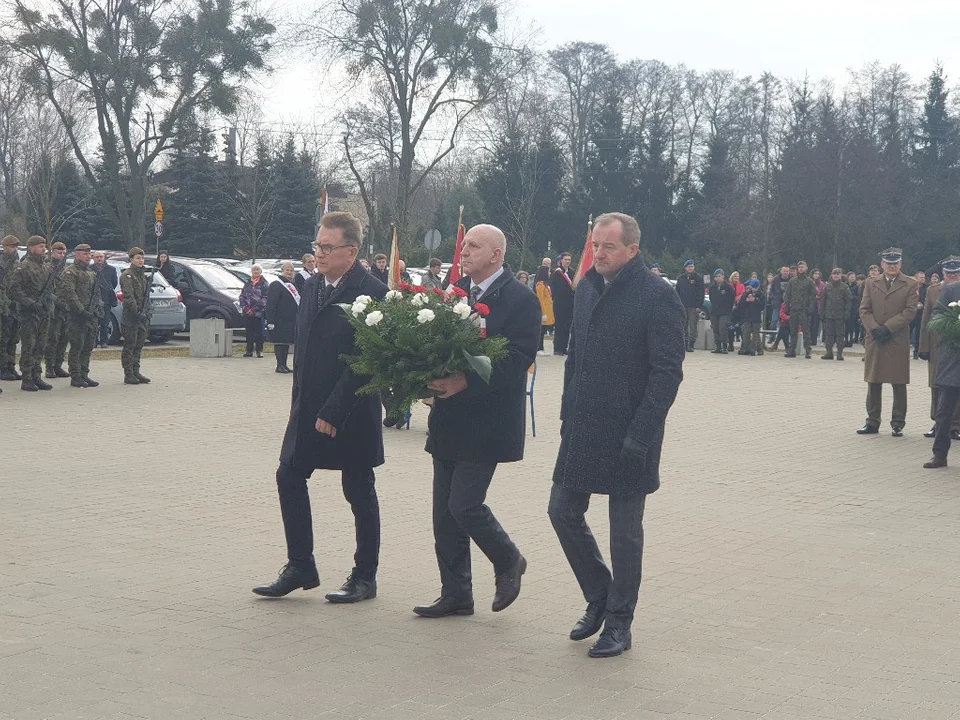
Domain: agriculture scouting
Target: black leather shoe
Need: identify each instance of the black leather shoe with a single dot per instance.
(591, 622)
(290, 579)
(935, 462)
(897, 432)
(508, 585)
(868, 430)
(932, 432)
(954, 435)
(612, 642)
(354, 590)
(445, 606)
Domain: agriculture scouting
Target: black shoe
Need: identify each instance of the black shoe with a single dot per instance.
(287, 370)
(690, 349)
(932, 432)
(248, 354)
(445, 606)
(826, 357)
(897, 432)
(143, 380)
(807, 355)
(840, 357)
(10, 373)
(41, 385)
(868, 430)
(50, 375)
(77, 382)
(954, 435)
(259, 354)
(89, 382)
(935, 462)
(130, 379)
(591, 622)
(290, 579)
(280, 370)
(59, 372)
(354, 590)
(611, 643)
(27, 384)
(716, 351)
(508, 585)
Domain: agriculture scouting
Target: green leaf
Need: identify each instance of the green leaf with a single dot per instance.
(481, 365)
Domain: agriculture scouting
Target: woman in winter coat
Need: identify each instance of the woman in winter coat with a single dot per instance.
(542, 287)
(165, 267)
(253, 306)
(733, 332)
(815, 323)
(283, 302)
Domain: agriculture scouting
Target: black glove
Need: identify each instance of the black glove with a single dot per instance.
(633, 455)
(881, 334)
(924, 355)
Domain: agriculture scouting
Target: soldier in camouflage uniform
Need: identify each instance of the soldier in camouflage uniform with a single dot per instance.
(57, 333)
(134, 284)
(800, 298)
(836, 310)
(9, 321)
(84, 306)
(30, 289)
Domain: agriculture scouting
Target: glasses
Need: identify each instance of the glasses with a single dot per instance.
(327, 249)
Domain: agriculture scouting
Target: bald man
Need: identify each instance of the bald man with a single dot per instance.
(475, 425)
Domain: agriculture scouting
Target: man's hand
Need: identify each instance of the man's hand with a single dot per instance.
(449, 386)
(326, 428)
(881, 334)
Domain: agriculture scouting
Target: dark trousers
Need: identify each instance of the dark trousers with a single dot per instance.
(543, 332)
(9, 337)
(561, 332)
(622, 587)
(359, 490)
(282, 352)
(814, 327)
(105, 326)
(720, 325)
(253, 325)
(875, 405)
(693, 326)
(460, 515)
(798, 320)
(948, 397)
(935, 403)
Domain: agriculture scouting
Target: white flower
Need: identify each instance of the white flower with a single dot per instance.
(358, 308)
(462, 309)
(419, 300)
(393, 295)
(425, 316)
(374, 318)
(363, 300)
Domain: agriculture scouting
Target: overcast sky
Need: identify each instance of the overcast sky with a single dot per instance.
(822, 38)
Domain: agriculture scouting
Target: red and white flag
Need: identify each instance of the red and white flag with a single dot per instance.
(586, 258)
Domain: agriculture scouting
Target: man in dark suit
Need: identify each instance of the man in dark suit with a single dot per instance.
(561, 288)
(107, 279)
(622, 374)
(475, 425)
(330, 427)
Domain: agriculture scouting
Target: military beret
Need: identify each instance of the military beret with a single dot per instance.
(655, 266)
(951, 264)
(689, 263)
(84, 247)
(58, 246)
(892, 255)
(10, 240)
(134, 251)
(718, 271)
(753, 282)
(837, 270)
(873, 267)
(35, 240)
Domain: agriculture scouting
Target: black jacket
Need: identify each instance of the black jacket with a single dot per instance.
(562, 292)
(777, 290)
(281, 313)
(721, 299)
(107, 280)
(752, 312)
(488, 423)
(690, 290)
(624, 367)
(381, 275)
(324, 386)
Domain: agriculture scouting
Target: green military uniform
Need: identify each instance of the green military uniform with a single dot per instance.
(30, 289)
(134, 284)
(800, 298)
(84, 308)
(9, 319)
(56, 350)
(836, 310)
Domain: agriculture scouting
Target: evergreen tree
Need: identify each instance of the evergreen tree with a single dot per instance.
(297, 195)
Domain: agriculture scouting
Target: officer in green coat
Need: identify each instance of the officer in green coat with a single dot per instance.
(135, 287)
(84, 308)
(836, 309)
(56, 350)
(9, 321)
(30, 289)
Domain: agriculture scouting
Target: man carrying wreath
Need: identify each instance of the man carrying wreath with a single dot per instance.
(474, 425)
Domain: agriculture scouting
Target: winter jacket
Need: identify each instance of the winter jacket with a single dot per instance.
(801, 295)
(253, 298)
(690, 290)
(751, 306)
(835, 301)
(721, 299)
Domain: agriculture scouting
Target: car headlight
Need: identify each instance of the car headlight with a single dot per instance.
(236, 304)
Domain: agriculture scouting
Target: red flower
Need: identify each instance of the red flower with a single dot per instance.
(437, 291)
(419, 289)
(459, 291)
(406, 286)
(481, 309)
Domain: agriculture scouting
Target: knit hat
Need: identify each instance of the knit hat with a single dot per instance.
(753, 282)
(689, 263)
(10, 240)
(134, 251)
(83, 247)
(35, 240)
(58, 246)
(718, 271)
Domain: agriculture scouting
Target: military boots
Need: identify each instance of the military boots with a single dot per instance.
(10, 373)
(129, 378)
(142, 379)
(56, 371)
(86, 379)
(39, 383)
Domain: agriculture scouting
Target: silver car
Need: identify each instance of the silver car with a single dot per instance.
(169, 312)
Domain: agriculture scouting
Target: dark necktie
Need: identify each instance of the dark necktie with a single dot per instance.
(475, 292)
(326, 292)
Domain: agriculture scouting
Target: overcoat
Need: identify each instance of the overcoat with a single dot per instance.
(622, 373)
(929, 343)
(487, 423)
(948, 362)
(888, 362)
(281, 313)
(324, 386)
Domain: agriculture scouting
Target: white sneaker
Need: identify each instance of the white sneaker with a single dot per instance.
(542, 352)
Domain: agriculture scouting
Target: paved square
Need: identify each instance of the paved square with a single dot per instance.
(793, 569)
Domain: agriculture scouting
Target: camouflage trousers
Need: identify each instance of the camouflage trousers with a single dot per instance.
(83, 335)
(834, 332)
(751, 337)
(33, 341)
(57, 339)
(134, 336)
(9, 337)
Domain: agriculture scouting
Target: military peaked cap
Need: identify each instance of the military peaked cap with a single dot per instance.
(951, 264)
(892, 255)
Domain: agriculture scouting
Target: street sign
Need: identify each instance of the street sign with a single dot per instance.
(158, 228)
(431, 241)
(158, 213)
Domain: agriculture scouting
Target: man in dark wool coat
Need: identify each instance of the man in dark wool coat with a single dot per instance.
(330, 427)
(622, 373)
(475, 425)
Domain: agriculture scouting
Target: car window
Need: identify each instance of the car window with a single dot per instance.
(218, 277)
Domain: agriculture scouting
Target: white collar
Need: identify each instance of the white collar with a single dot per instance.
(485, 285)
(336, 282)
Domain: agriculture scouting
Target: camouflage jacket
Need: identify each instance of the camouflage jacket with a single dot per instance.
(80, 293)
(133, 285)
(801, 295)
(57, 268)
(26, 287)
(836, 301)
(8, 263)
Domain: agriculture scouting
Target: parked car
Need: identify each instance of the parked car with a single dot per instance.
(169, 312)
(209, 290)
(244, 274)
